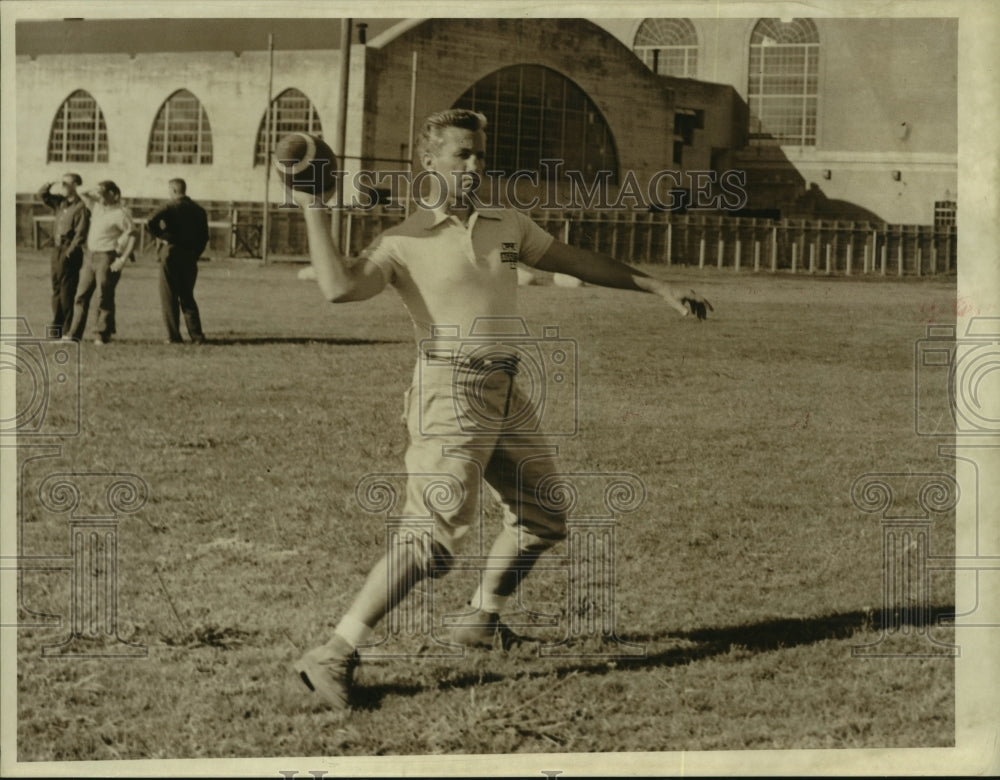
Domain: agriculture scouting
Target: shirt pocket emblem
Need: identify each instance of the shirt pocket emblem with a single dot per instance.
(509, 253)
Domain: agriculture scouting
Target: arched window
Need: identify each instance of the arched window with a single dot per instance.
(292, 112)
(669, 47)
(181, 134)
(784, 83)
(78, 132)
(535, 113)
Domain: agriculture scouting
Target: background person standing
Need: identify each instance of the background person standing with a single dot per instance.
(110, 240)
(68, 234)
(182, 227)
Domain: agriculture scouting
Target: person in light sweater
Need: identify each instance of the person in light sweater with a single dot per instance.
(110, 241)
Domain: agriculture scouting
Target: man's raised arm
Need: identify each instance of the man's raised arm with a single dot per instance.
(339, 282)
(50, 200)
(595, 268)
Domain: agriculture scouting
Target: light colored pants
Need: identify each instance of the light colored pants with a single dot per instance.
(96, 274)
(457, 420)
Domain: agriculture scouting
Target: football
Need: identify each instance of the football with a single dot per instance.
(305, 162)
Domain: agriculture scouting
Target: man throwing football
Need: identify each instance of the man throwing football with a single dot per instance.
(446, 265)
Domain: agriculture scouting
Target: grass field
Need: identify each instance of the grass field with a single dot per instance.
(748, 574)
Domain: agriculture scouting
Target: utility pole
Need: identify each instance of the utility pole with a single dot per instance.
(341, 131)
(268, 132)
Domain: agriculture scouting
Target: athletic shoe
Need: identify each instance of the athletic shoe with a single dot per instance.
(327, 670)
(487, 631)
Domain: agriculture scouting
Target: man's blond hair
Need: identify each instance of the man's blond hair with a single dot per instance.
(429, 140)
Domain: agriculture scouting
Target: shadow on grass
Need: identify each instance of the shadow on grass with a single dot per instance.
(788, 632)
(230, 341)
(698, 644)
(251, 341)
(369, 697)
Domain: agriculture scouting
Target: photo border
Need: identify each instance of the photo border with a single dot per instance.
(979, 245)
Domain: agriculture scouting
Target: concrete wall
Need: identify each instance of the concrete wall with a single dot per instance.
(130, 91)
(875, 74)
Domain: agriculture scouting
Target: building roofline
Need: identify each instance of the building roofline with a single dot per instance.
(182, 35)
(388, 36)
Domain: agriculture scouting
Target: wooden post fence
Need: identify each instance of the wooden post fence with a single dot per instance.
(823, 247)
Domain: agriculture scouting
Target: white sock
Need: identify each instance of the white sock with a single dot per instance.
(352, 631)
(488, 602)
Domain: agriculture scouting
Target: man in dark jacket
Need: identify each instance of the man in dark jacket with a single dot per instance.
(69, 233)
(182, 227)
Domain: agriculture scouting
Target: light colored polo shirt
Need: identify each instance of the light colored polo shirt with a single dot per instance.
(110, 227)
(448, 274)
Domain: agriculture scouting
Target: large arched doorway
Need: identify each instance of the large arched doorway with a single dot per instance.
(535, 113)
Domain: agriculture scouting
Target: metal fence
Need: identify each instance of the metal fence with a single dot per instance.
(692, 239)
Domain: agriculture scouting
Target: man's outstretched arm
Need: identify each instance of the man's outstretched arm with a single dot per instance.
(339, 282)
(595, 268)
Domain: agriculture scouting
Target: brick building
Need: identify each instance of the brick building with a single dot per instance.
(828, 117)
